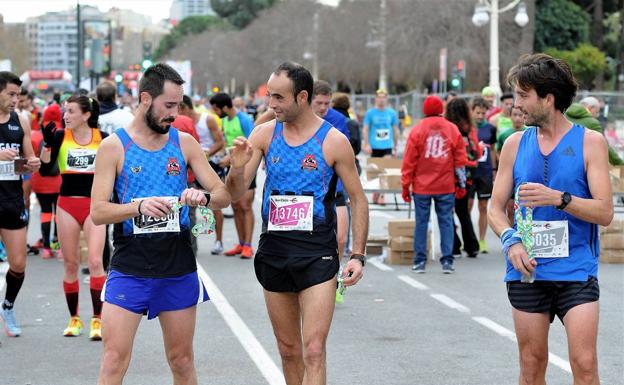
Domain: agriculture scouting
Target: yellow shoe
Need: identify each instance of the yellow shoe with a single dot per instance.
(74, 328)
(95, 334)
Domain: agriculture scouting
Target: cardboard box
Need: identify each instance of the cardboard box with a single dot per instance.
(612, 241)
(401, 227)
(611, 256)
(374, 249)
(390, 179)
(400, 258)
(616, 226)
(401, 243)
(376, 166)
(378, 239)
(617, 171)
(617, 184)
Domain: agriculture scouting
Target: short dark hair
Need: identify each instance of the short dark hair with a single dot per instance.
(546, 75)
(300, 76)
(87, 104)
(457, 112)
(480, 102)
(23, 91)
(221, 100)
(321, 87)
(187, 101)
(7, 77)
(506, 95)
(340, 101)
(154, 78)
(106, 92)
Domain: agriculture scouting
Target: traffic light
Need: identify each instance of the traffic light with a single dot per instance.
(455, 80)
(458, 76)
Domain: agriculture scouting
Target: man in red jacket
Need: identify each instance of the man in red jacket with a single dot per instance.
(433, 168)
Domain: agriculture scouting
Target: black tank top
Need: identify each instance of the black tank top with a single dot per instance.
(11, 136)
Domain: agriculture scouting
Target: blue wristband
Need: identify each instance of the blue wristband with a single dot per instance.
(509, 237)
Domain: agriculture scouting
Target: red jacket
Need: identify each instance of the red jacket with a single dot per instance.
(186, 124)
(433, 150)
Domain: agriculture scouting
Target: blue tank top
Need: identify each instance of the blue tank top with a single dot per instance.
(300, 170)
(564, 170)
(146, 173)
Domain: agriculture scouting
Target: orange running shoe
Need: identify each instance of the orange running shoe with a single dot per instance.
(46, 253)
(236, 250)
(247, 252)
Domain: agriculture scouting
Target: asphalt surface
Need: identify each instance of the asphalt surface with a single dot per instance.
(394, 328)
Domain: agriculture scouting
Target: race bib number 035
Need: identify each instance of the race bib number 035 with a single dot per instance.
(550, 239)
(144, 224)
(290, 212)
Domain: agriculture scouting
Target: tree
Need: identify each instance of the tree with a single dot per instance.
(560, 24)
(240, 13)
(586, 62)
(189, 25)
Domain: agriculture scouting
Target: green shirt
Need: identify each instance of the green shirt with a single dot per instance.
(503, 137)
(232, 129)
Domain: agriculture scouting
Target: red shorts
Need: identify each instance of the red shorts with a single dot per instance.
(77, 207)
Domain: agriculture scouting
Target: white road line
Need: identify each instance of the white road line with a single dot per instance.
(413, 283)
(4, 267)
(552, 358)
(252, 346)
(450, 303)
(378, 263)
(380, 214)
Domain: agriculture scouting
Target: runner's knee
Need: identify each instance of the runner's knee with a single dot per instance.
(114, 362)
(584, 365)
(289, 351)
(181, 361)
(314, 353)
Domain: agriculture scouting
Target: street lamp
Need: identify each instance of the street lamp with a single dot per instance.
(489, 8)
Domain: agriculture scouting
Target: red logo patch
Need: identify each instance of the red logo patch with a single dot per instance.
(173, 167)
(309, 163)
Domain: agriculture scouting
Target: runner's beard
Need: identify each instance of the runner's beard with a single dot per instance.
(152, 123)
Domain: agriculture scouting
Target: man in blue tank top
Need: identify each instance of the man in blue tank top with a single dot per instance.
(297, 258)
(560, 174)
(153, 268)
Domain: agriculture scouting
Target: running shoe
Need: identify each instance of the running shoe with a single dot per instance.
(483, 246)
(55, 245)
(247, 252)
(217, 249)
(59, 255)
(11, 327)
(419, 268)
(39, 244)
(47, 253)
(95, 332)
(447, 268)
(74, 327)
(236, 250)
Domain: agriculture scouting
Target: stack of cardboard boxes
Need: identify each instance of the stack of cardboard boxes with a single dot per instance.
(375, 167)
(612, 242)
(401, 241)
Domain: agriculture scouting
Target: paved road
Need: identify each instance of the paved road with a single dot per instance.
(395, 328)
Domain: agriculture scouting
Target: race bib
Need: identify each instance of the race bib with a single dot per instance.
(290, 212)
(484, 157)
(81, 160)
(382, 134)
(7, 170)
(550, 239)
(144, 224)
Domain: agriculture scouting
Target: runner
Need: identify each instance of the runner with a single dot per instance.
(16, 157)
(297, 258)
(153, 269)
(73, 150)
(559, 173)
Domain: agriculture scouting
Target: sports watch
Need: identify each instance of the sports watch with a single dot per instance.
(566, 198)
(359, 257)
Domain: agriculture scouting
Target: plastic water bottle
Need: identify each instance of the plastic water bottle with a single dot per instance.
(341, 288)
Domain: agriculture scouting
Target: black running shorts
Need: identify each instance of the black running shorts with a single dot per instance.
(294, 274)
(553, 297)
(482, 185)
(13, 215)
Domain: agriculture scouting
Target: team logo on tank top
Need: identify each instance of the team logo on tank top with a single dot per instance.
(173, 167)
(309, 163)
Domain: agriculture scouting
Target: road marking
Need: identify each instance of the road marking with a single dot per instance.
(378, 262)
(413, 283)
(252, 346)
(450, 303)
(4, 267)
(559, 362)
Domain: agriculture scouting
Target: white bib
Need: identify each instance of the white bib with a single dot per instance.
(290, 212)
(551, 239)
(81, 160)
(143, 224)
(7, 170)
(382, 134)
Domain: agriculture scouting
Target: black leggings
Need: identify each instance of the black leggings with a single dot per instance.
(471, 243)
(48, 208)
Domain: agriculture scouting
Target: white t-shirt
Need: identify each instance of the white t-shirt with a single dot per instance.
(115, 119)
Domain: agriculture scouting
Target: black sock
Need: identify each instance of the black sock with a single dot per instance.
(14, 282)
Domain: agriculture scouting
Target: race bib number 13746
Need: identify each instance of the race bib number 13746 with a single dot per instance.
(290, 212)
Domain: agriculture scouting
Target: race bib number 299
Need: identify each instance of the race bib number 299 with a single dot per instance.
(290, 212)
(144, 224)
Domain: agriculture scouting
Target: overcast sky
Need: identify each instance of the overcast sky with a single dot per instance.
(16, 11)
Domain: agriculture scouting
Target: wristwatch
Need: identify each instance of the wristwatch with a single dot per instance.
(566, 198)
(359, 257)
